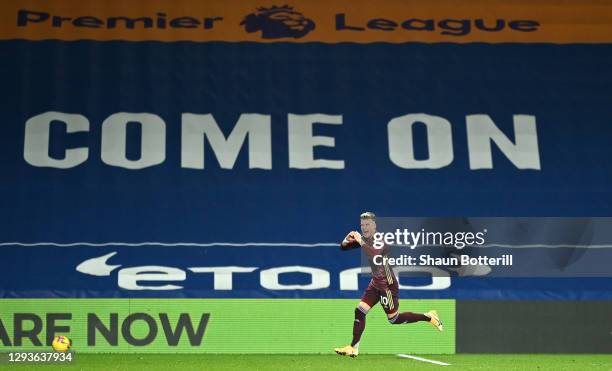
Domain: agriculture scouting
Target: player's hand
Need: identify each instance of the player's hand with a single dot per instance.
(349, 237)
(356, 236)
(348, 240)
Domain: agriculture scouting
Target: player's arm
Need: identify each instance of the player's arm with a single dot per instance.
(351, 241)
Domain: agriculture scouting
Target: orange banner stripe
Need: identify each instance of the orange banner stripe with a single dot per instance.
(329, 21)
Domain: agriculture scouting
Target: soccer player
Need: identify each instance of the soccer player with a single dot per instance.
(383, 287)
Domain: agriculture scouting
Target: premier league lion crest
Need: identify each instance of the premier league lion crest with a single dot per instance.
(278, 22)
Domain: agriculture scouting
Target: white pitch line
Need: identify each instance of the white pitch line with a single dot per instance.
(424, 360)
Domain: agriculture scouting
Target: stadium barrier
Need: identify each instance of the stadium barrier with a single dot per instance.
(215, 326)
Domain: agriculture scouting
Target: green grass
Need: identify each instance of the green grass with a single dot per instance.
(152, 362)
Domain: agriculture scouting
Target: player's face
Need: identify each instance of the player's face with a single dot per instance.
(368, 227)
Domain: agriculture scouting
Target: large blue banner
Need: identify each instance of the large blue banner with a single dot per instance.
(179, 143)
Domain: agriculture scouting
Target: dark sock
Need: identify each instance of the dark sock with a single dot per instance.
(408, 317)
(358, 326)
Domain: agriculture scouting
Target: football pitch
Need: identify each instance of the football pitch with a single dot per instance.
(150, 362)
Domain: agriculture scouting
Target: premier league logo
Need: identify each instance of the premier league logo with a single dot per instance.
(278, 22)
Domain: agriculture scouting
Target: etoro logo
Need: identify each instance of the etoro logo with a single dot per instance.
(278, 22)
(162, 278)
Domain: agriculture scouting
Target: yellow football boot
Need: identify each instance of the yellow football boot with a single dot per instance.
(434, 319)
(347, 351)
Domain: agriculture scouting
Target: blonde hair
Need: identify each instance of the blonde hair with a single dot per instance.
(368, 215)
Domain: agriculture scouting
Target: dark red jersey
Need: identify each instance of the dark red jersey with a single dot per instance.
(382, 273)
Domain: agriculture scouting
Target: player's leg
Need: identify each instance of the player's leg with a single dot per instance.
(390, 301)
(360, 322)
(369, 299)
(397, 318)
